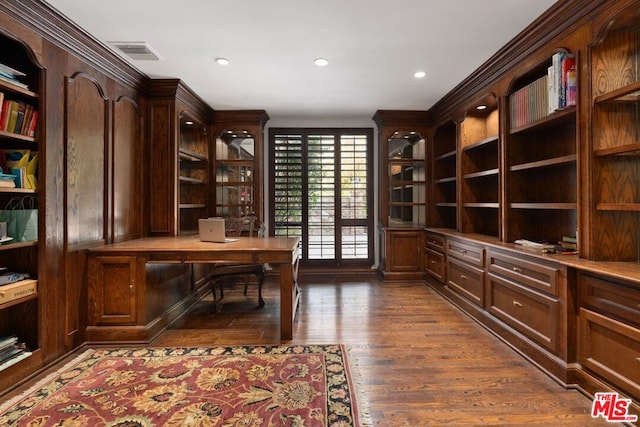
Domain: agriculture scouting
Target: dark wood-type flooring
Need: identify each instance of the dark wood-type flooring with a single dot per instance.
(420, 360)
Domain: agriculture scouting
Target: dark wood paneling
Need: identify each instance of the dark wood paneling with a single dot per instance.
(166, 286)
(86, 114)
(127, 170)
(161, 169)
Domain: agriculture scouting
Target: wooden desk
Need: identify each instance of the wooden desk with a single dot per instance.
(117, 278)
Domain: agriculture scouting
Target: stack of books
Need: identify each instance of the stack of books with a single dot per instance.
(18, 117)
(12, 76)
(11, 352)
(7, 180)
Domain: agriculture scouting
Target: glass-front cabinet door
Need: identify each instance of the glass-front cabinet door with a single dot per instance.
(406, 162)
(235, 173)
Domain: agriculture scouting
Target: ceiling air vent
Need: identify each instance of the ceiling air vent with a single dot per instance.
(138, 51)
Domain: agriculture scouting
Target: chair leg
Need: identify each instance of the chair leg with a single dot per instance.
(260, 282)
(214, 305)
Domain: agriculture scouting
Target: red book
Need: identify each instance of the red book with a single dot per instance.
(3, 116)
(33, 124)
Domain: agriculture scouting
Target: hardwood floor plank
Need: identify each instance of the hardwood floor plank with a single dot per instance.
(420, 361)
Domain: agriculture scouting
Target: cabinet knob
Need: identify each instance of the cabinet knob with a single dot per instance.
(517, 269)
(433, 262)
(463, 277)
(517, 303)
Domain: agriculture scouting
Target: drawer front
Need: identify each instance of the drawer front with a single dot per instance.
(435, 242)
(614, 298)
(466, 280)
(531, 313)
(529, 273)
(435, 264)
(610, 349)
(470, 253)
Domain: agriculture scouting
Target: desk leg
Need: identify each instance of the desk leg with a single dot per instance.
(288, 299)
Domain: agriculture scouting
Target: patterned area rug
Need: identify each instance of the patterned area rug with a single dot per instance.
(220, 386)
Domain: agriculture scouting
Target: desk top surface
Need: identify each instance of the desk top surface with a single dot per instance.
(192, 243)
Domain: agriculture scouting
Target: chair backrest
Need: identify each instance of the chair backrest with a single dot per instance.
(236, 226)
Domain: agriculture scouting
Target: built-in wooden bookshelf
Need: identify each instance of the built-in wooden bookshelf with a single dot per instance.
(193, 154)
(403, 194)
(21, 317)
(238, 156)
(445, 182)
(178, 159)
(541, 161)
(406, 162)
(480, 168)
(616, 141)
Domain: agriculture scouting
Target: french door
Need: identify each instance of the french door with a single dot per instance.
(321, 190)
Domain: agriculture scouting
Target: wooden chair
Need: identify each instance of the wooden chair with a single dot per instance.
(236, 227)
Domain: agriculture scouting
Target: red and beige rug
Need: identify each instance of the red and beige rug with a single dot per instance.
(299, 385)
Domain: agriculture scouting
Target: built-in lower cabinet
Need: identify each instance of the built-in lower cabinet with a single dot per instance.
(434, 258)
(133, 298)
(523, 293)
(569, 317)
(609, 332)
(402, 254)
(465, 270)
(113, 291)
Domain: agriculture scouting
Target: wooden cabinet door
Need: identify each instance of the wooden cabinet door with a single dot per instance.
(404, 251)
(113, 290)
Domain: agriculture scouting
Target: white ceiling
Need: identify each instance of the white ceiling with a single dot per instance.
(373, 46)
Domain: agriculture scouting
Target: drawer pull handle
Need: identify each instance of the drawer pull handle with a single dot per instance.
(463, 277)
(517, 303)
(517, 269)
(463, 252)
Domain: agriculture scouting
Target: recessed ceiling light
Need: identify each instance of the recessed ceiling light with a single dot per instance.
(419, 74)
(188, 123)
(222, 61)
(321, 62)
(481, 107)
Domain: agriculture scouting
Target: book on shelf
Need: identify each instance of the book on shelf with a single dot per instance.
(7, 180)
(23, 165)
(536, 244)
(12, 72)
(17, 117)
(12, 352)
(12, 76)
(529, 103)
(553, 91)
(6, 342)
(23, 354)
(6, 278)
(565, 80)
(17, 290)
(9, 353)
